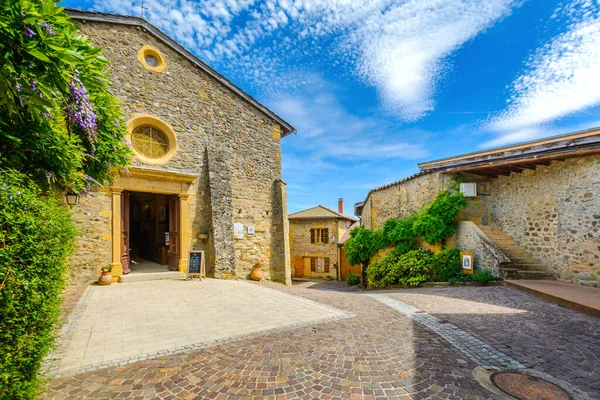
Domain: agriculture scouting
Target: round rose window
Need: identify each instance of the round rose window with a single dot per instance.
(150, 141)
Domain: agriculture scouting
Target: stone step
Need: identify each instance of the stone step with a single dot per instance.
(523, 259)
(499, 235)
(504, 242)
(487, 228)
(150, 276)
(517, 253)
(537, 275)
(527, 267)
(513, 249)
(514, 273)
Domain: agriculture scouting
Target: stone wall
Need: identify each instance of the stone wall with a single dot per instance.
(554, 212)
(468, 237)
(232, 147)
(300, 245)
(93, 218)
(399, 199)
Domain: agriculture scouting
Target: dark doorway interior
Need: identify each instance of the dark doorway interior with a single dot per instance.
(148, 229)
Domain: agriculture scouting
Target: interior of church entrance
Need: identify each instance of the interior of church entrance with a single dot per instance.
(150, 232)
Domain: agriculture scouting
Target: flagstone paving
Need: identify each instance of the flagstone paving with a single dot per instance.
(123, 323)
(380, 353)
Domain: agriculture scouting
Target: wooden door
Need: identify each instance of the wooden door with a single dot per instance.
(306, 262)
(125, 232)
(174, 233)
(298, 267)
(346, 268)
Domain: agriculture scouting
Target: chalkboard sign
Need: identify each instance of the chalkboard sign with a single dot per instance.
(196, 264)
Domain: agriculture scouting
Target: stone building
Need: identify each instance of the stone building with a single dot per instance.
(314, 237)
(206, 175)
(536, 210)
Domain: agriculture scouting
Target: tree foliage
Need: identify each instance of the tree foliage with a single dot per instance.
(59, 122)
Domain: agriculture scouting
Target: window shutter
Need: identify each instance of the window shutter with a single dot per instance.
(312, 235)
(313, 266)
(326, 235)
(326, 264)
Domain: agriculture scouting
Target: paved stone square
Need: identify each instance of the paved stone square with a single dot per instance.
(382, 352)
(127, 322)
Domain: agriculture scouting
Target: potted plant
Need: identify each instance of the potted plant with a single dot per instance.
(105, 275)
(256, 274)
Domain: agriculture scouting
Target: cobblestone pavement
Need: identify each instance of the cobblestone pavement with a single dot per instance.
(380, 353)
(541, 335)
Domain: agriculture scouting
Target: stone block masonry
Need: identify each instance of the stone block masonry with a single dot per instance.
(232, 148)
(554, 212)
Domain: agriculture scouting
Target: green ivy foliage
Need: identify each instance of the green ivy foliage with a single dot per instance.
(59, 122)
(446, 265)
(407, 269)
(361, 246)
(37, 236)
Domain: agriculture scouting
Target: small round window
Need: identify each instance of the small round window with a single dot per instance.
(151, 60)
(150, 141)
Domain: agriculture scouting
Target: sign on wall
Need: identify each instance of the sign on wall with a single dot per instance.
(238, 228)
(466, 261)
(250, 230)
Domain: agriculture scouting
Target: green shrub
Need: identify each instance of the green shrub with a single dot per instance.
(483, 276)
(413, 267)
(379, 271)
(37, 236)
(432, 229)
(446, 264)
(480, 276)
(407, 269)
(353, 279)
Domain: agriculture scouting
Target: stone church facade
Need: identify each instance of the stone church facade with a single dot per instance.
(207, 161)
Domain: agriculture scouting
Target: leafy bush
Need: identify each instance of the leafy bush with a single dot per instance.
(353, 279)
(407, 269)
(483, 276)
(480, 276)
(37, 236)
(413, 267)
(446, 264)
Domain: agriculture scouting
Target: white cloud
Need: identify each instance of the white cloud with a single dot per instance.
(400, 47)
(560, 79)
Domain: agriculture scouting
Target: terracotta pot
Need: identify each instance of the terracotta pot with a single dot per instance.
(256, 274)
(105, 279)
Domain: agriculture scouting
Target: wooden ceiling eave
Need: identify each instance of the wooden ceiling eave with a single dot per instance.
(496, 168)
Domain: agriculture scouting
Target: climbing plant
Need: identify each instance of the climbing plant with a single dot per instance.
(59, 122)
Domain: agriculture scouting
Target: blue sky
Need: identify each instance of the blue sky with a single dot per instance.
(375, 87)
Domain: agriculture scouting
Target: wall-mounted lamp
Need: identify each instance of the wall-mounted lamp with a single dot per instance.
(72, 198)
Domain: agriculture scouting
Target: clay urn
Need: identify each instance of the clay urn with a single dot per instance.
(256, 274)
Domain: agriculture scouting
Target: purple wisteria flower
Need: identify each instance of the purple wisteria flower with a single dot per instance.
(32, 84)
(47, 27)
(18, 86)
(48, 175)
(47, 115)
(127, 170)
(79, 109)
(28, 32)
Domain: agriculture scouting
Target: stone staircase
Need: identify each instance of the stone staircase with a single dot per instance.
(523, 265)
